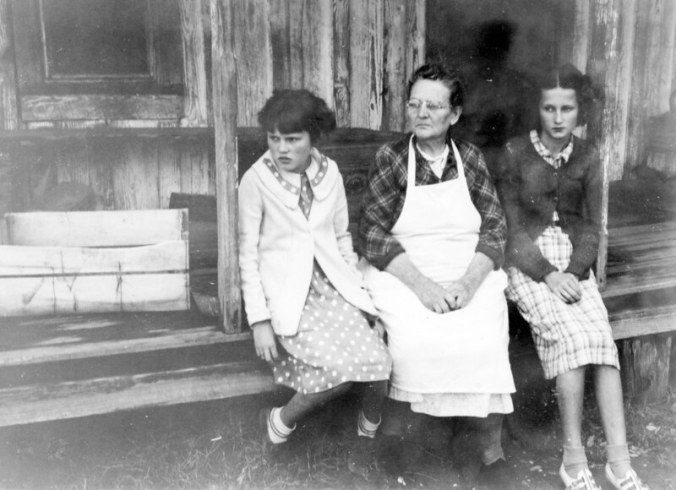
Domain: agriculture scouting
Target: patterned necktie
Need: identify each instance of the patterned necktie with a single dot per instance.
(305, 199)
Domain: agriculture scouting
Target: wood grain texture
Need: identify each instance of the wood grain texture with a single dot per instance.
(194, 64)
(645, 365)
(82, 294)
(254, 58)
(97, 229)
(59, 107)
(9, 117)
(366, 48)
(28, 404)
(225, 109)
(394, 52)
(280, 43)
(341, 61)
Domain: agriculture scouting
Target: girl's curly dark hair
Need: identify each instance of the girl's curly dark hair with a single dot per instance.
(449, 77)
(589, 97)
(297, 110)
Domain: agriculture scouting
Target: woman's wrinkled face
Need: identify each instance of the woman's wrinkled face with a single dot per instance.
(428, 112)
(558, 116)
(290, 151)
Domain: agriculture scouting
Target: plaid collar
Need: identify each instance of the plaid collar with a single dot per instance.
(554, 160)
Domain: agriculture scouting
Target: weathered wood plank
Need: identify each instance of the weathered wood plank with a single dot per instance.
(415, 44)
(28, 404)
(42, 339)
(640, 322)
(645, 368)
(194, 64)
(254, 59)
(317, 48)
(605, 69)
(280, 43)
(224, 82)
(366, 69)
(135, 176)
(394, 88)
(341, 61)
(70, 347)
(97, 228)
(95, 293)
(59, 107)
(9, 117)
(68, 261)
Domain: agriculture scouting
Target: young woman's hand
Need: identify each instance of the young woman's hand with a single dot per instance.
(265, 340)
(564, 285)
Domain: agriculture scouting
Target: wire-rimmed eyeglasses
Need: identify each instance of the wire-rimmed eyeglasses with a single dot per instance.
(417, 104)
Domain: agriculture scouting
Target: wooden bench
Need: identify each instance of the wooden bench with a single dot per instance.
(58, 366)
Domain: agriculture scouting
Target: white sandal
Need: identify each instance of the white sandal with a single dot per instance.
(584, 481)
(631, 481)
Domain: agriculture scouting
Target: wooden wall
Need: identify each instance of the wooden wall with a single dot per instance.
(357, 54)
(629, 47)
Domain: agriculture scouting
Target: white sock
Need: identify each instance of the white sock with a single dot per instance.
(278, 432)
(366, 428)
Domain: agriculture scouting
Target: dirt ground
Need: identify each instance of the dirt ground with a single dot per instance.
(217, 445)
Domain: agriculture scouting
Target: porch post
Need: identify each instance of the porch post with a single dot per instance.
(610, 65)
(224, 100)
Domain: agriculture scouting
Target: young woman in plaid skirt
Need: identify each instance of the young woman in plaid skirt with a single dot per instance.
(550, 186)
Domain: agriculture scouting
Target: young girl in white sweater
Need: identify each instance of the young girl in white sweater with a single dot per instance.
(303, 294)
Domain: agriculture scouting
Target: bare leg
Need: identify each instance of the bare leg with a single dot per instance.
(608, 387)
(570, 391)
(301, 404)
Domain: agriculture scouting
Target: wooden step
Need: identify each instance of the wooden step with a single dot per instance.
(39, 339)
(41, 402)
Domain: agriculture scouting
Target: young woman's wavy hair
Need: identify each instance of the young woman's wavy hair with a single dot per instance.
(297, 110)
(589, 96)
(449, 77)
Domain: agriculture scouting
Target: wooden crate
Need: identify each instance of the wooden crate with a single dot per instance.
(97, 261)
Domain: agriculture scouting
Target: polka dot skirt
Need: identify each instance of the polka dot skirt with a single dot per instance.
(334, 344)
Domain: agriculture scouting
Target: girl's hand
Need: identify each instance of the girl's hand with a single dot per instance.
(265, 340)
(565, 286)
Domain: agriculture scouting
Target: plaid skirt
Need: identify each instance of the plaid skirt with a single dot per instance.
(566, 336)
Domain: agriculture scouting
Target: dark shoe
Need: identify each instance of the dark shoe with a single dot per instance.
(498, 475)
(361, 456)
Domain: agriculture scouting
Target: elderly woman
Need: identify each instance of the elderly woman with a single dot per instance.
(433, 232)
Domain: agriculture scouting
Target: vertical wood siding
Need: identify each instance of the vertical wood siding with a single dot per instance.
(630, 47)
(356, 54)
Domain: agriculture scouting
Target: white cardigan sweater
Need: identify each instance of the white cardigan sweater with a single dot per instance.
(277, 244)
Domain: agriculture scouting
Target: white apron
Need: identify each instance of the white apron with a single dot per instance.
(463, 351)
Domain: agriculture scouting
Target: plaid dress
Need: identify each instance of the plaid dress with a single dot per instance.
(566, 336)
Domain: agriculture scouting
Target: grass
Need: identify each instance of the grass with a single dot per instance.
(217, 445)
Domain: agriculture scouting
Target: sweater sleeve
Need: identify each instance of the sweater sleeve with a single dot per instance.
(341, 223)
(250, 220)
(586, 245)
(521, 250)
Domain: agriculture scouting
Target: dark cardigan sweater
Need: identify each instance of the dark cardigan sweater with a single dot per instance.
(531, 189)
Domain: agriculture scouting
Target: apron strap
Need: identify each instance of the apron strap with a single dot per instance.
(410, 183)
